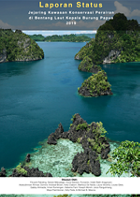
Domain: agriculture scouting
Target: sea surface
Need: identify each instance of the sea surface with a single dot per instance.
(36, 96)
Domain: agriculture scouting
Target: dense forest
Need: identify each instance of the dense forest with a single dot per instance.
(17, 46)
(61, 38)
(116, 41)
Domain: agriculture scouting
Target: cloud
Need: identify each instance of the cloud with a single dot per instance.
(122, 9)
(5, 25)
(135, 12)
(127, 12)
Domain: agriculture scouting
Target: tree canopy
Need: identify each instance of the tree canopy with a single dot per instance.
(61, 38)
(120, 23)
(126, 159)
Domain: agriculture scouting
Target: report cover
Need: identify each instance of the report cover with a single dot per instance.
(69, 83)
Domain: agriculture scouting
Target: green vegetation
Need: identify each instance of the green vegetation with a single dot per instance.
(126, 159)
(79, 140)
(96, 143)
(88, 162)
(96, 85)
(120, 23)
(81, 126)
(63, 38)
(21, 170)
(118, 34)
(101, 129)
(73, 117)
(37, 37)
(86, 50)
(87, 62)
(94, 133)
(17, 46)
(88, 66)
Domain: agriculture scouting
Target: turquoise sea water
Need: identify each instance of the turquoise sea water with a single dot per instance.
(36, 96)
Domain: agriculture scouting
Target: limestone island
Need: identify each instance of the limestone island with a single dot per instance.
(17, 46)
(93, 140)
(90, 137)
(95, 85)
(116, 41)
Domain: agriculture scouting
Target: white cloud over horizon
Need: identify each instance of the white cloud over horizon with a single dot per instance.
(127, 12)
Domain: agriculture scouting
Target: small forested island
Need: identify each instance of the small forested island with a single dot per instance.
(93, 140)
(116, 41)
(59, 38)
(96, 85)
(17, 46)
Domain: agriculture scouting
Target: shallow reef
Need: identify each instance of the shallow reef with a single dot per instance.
(82, 151)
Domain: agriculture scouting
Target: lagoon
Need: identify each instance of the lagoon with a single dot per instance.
(36, 96)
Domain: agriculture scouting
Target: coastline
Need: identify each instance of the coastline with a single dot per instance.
(52, 159)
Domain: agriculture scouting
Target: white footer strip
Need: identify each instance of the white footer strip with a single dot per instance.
(69, 185)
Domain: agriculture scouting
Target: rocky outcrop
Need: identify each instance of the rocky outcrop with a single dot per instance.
(104, 153)
(86, 162)
(26, 43)
(91, 137)
(27, 172)
(52, 139)
(113, 54)
(77, 57)
(77, 129)
(95, 85)
(25, 59)
(3, 172)
(28, 158)
(3, 56)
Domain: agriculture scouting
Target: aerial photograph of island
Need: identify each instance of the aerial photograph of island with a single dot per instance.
(70, 103)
